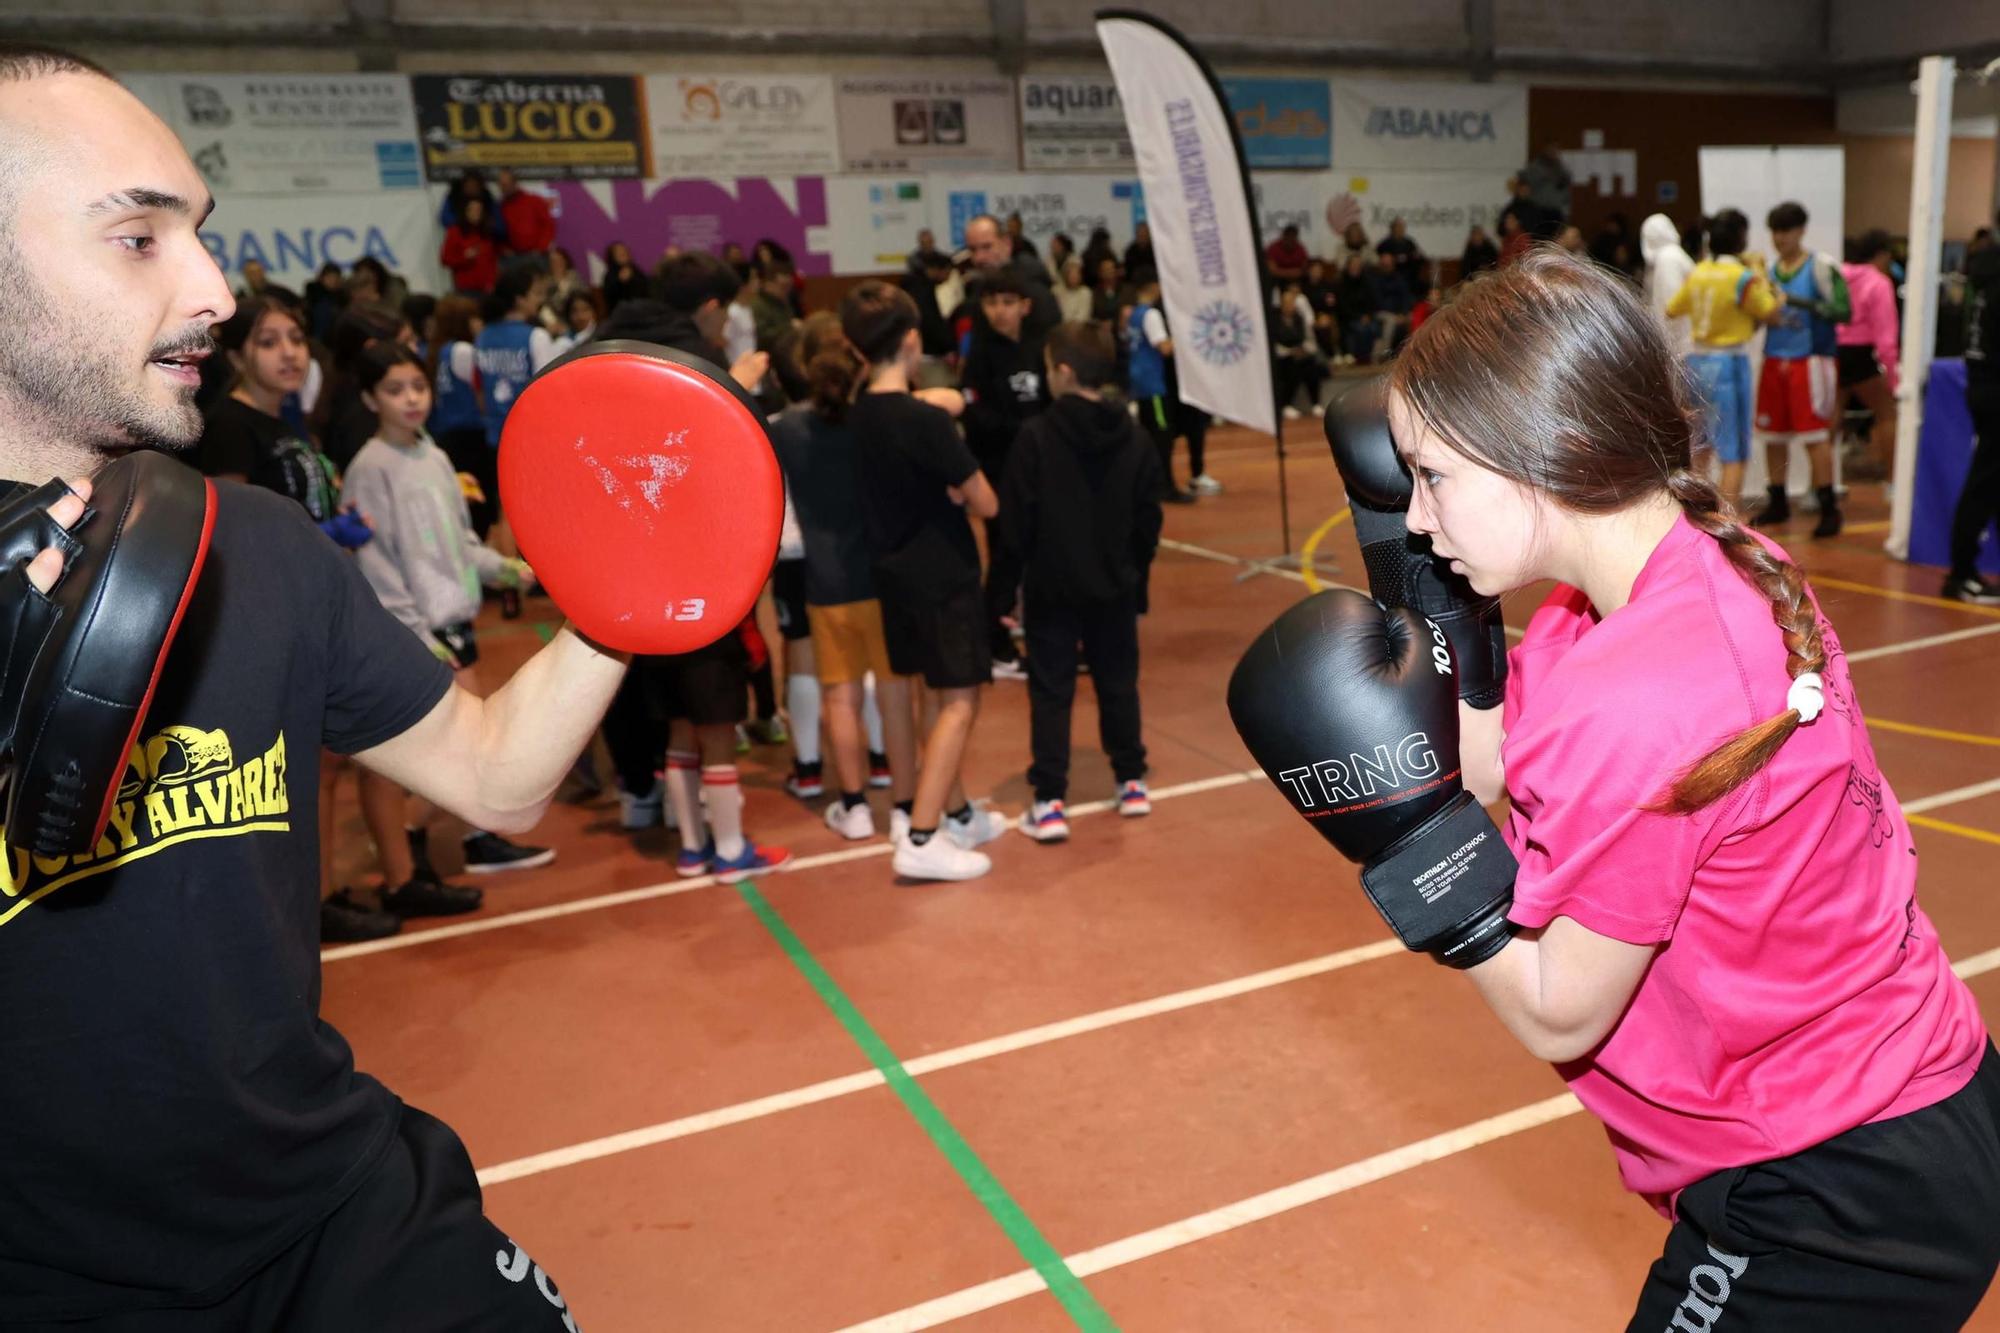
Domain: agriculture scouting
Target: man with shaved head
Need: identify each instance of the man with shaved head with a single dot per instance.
(188, 1146)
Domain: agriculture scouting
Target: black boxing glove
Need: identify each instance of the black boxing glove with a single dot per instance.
(1351, 709)
(1401, 569)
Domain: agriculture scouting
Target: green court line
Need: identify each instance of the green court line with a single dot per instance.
(1076, 1299)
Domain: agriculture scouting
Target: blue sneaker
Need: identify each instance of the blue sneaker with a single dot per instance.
(752, 861)
(1133, 800)
(692, 863)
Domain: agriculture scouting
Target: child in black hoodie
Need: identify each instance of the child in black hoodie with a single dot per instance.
(1080, 514)
(1004, 387)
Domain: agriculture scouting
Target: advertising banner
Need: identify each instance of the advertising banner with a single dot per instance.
(543, 126)
(291, 133)
(1204, 234)
(1073, 122)
(1283, 122)
(1071, 205)
(722, 125)
(919, 123)
(876, 220)
(291, 236)
(696, 215)
(1409, 125)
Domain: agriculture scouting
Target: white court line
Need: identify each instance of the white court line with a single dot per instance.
(1933, 641)
(646, 1137)
(1952, 797)
(1259, 1207)
(1188, 1230)
(670, 888)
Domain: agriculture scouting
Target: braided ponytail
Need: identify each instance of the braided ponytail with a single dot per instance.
(1738, 759)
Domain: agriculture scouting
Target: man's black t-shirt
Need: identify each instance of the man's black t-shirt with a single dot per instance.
(239, 440)
(175, 1111)
(906, 453)
(817, 456)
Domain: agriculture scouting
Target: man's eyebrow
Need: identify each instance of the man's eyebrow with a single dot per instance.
(145, 197)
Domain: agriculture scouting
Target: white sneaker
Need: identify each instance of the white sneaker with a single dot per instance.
(853, 824)
(637, 812)
(976, 829)
(1044, 821)
(940, 858)
(899, 826)
(1291, 414)
(1205, 485)
(1009, 670)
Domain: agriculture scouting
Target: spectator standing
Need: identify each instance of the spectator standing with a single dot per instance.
(1869, 348)
(926, 282)
(623, 279)
(469, 186)
(1107, 295)
(771, 303)
(527, 220)
(918, 481)
(471, 249)
(1148, 353)
(1725, 302)
(1139, 254)
(1080, 515)
(1796, 388)
(1979, 502)
(992, 250)
(1354, 241)
(1003, 385)
(458, 423)
(817, 452)
(1667, 268)
(1479, 253)
(702, 695)
(1096, 250)
(1018, 236)
(1061, 251)
(1547, 179)
(1515, 236)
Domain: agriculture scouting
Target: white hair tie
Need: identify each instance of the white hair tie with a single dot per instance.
(1806, 696)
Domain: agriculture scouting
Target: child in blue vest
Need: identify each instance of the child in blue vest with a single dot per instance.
(1796, 390)
(1147, 349)
(509, 350)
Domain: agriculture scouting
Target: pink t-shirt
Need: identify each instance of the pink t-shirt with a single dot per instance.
(1799, 991)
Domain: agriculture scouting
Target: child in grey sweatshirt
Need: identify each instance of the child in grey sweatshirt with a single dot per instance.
(426, 564)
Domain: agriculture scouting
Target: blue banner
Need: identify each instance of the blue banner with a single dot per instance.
(1284, 122)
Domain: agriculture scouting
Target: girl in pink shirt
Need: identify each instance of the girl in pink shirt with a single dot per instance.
(1867, 345)
(1719, 941)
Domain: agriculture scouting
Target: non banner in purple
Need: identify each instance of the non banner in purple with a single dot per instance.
(694, 215)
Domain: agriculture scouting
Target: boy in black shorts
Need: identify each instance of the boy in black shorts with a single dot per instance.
(917, 481)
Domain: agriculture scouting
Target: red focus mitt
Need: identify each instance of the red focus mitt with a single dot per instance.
(641, 485)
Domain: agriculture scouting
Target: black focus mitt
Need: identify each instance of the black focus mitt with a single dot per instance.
(79, 663)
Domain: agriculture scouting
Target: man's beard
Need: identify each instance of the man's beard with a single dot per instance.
(60, 371)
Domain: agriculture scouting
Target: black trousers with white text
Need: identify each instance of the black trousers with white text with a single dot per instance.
(1894, 1225)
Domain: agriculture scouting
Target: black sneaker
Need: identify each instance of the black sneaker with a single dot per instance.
(344, 919)
(1179, 497)
(1977, 588)
(1829, 522)
(489, 853)
(424, 897)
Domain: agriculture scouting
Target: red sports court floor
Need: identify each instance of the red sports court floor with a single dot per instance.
(1172, 1075)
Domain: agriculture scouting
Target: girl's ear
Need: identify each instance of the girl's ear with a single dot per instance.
(368, 401)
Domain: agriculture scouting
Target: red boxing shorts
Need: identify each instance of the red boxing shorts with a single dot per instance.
(1795, 395)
